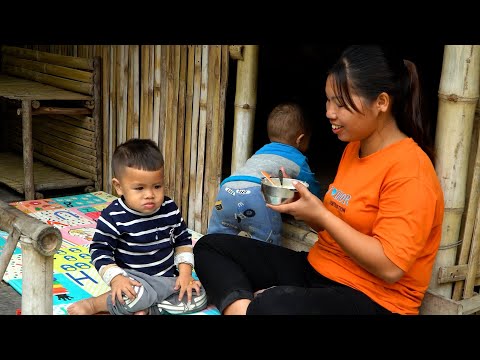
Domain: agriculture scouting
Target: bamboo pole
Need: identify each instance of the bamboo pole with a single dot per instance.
(179, 186)
(56, 81)
(157, 95)
(458, 95)
(27, 140)
(193, 149)
(171, 125)
(37, 281)
(75, 135)
(83, 121)
(144, 122)
(122, 92)
(133, 92)
(151, 64)
(296, 238)
(96, 115)
(68, 61)
(175, 68)
(220, 131)
(97, 50)
(188, 131)
(202, 129)
(88, 154)
(67, 157)
(169, 137)
(245, 104)
(210, 141)
(55, 70)
(473, 258)
(113, 113)
(162, 121)
(49, 110)
(106, 117)
(473, 186)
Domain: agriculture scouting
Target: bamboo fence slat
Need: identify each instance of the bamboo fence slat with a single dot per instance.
(188, 130)
(82, 121)
(112, 110)
(151, 71)
(56, 81)
(219, 111)
(79, 63)
(87, 153)
(169, 137)
(468, 221)
(106, 133)
(195, 123)
(122, 91)
(136, 91)
(162, 121)
(144, 122)
(156, 99)
(458, 94)
(174, 70)
(245, 105)
(202, 129)
(55, 70)
(210, 138)
(45, 136)
(182, 84)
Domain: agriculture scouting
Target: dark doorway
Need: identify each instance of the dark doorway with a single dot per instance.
(298, 73)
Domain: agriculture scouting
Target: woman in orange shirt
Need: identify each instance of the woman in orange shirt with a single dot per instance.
(379, 225)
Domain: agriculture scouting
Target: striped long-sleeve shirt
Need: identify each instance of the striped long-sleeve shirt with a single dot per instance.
(132, 240)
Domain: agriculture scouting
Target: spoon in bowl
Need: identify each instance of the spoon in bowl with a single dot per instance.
(267, 175)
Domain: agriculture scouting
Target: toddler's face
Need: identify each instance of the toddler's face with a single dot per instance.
(143, 190)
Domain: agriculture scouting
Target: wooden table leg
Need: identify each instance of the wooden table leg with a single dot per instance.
(28, 184)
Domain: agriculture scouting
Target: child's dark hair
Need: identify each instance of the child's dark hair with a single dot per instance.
(141, 154)
(286, 122)
(369, 70)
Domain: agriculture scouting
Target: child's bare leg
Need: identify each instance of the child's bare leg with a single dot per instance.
(89, 306)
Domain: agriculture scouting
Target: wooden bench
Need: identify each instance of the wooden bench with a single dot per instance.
(58, 143)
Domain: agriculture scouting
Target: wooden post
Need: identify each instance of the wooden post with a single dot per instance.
(245, 104)
(28, 184)
(37, 280)
(39, 243)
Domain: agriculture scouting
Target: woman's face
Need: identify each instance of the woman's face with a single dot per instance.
(348, 124)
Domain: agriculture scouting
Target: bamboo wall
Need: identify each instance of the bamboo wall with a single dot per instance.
(174, 95)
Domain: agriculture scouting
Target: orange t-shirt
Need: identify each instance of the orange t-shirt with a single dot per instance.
(393, 195)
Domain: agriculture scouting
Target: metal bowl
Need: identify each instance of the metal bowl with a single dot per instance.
(277, 194)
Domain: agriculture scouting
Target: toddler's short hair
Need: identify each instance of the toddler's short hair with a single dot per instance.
(141, 154)
(286, 122)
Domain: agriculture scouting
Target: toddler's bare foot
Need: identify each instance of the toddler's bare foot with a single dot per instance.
(82, 307)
